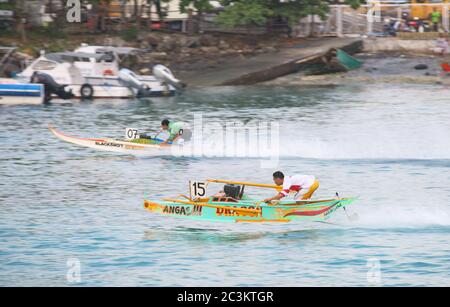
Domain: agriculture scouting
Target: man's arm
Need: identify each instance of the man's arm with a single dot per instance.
(276, 197)
(176, 137)
(171, 139)
(159, 132)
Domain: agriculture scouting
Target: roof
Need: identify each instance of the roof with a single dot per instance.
(72, 56)
(102, 49)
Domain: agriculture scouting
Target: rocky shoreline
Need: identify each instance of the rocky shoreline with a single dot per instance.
(377, 68)
(188, 56)
(179, 52)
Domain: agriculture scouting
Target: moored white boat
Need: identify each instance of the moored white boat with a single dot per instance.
(95, 73)
(13, 93)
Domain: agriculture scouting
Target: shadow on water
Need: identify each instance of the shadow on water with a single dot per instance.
(219, 236)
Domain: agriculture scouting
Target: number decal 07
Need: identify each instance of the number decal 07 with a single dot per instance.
(131, 134)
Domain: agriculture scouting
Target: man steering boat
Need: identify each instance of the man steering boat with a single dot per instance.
(303, 186)
(178, 131)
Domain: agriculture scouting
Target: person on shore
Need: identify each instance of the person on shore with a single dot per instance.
(304, 186)
(435, 19)
(178, 131)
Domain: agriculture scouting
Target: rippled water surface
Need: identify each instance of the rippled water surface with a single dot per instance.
(389, 145)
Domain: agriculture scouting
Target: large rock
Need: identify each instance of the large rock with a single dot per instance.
(112, 41)
(144, 45)
(191, 42)
(145, 71)
(161, 56)
(209, 40)
(152, 40)
(185, 50)
(168, 44)
(224, 45)
(269, 49)
(210, 49)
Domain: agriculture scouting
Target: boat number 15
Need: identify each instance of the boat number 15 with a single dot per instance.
(197, 188)
(131, 134)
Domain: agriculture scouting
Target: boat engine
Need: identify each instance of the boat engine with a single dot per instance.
(163, 74)
(233, 191)
(51, 86)
(129, 78)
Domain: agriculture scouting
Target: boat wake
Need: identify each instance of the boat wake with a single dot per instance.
(435, 146)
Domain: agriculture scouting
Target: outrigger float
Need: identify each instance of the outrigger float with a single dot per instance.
(232, 205)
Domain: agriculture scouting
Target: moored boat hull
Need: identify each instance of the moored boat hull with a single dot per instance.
(17, 93)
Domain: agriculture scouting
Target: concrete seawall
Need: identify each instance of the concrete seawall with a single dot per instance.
(288, 60)
(392, 44)
(265, 67)
(291, 66)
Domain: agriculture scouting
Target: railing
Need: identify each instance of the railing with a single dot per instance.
(368, 19)
(207, 23)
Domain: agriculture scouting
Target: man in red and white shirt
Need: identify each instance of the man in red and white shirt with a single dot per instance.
(303, 186)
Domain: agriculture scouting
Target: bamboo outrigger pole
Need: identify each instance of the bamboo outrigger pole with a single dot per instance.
(250, 184)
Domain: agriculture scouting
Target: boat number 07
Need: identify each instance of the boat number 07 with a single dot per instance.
(197, 188)
(131, 134)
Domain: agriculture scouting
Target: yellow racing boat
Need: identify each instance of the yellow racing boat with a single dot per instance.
(232, 205)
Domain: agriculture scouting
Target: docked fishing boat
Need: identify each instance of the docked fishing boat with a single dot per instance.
(40, 90)
(134, 143)
(94, 72)
(13, 93)
(36, 89)
(232, 205)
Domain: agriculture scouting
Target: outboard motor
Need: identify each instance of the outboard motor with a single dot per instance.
(129, 78)
(233, 191)
(50, 86)
(163, 74)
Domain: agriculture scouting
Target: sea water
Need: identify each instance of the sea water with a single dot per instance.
(73, 216)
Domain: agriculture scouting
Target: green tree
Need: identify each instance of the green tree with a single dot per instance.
(244, 12)
(198, 5)
(189, 6)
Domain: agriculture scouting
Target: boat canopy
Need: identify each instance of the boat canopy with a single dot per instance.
(118, 50)
(61, 57)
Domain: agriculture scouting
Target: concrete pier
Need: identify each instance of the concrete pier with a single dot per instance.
(269, 66)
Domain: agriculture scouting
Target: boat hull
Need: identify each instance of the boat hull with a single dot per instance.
(113, 89)
(17, 93)
(113, 145)
(317, 210)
